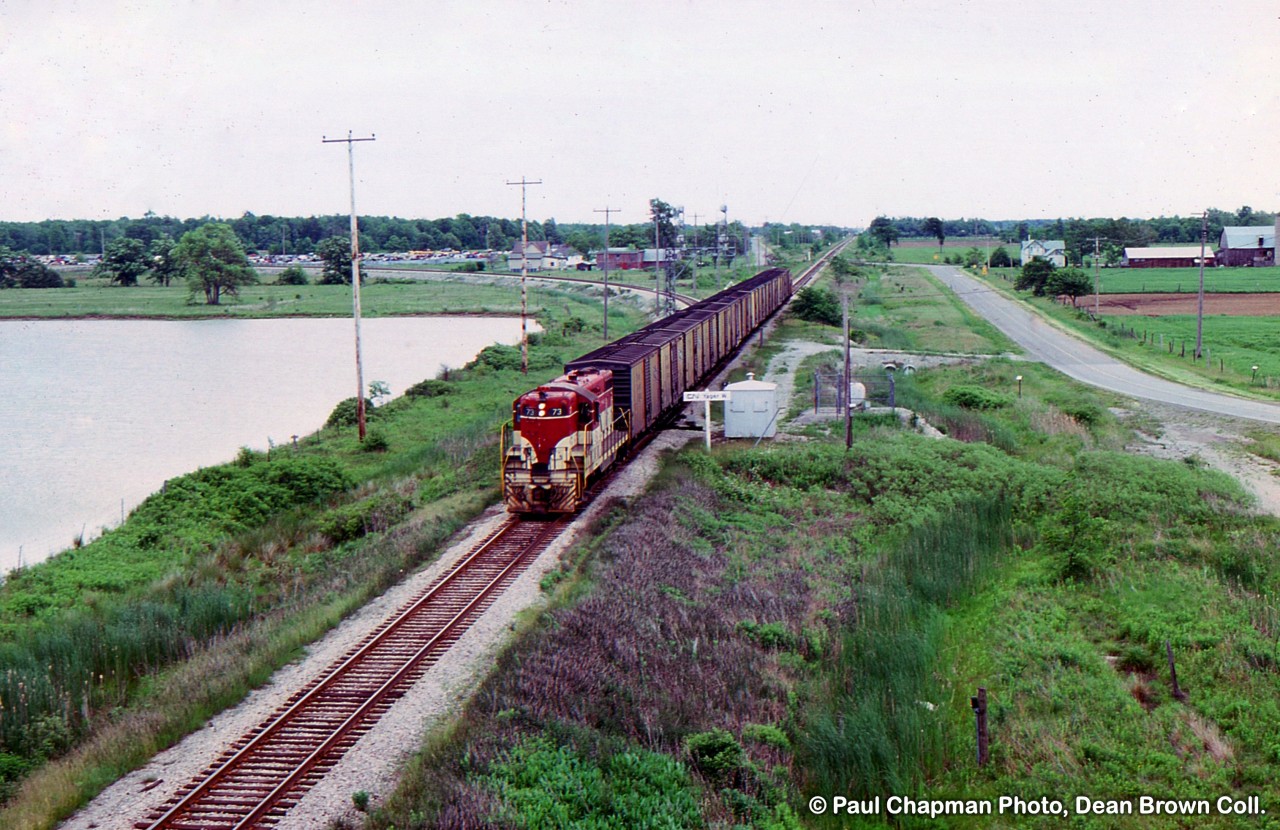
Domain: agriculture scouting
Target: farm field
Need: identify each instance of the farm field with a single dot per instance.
(1160, 305)
(1187, 280)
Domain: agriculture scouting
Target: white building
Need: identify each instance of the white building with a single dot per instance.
(1051, 250)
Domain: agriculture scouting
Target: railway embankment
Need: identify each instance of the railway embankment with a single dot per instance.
(115, 650)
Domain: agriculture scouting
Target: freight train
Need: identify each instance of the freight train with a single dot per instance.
(565, 433)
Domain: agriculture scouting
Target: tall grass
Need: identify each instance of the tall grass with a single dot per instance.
(875, 724)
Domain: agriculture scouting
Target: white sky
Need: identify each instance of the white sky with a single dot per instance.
(792, 110)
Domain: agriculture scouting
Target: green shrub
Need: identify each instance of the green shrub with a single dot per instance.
(716, 754)
(345, 414)
(293, 275)
(767, 734)
(975, 397)
(430, 389)
(817, 305)
(375, 440)
(370, 515)
(772, 635)
(547, 787)
(1087, 414)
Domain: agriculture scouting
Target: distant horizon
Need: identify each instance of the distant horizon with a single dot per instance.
(600, 223)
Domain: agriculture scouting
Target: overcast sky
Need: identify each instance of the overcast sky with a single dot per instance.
(792, 110)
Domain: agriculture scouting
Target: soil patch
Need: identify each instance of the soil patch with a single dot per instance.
(1160, 305)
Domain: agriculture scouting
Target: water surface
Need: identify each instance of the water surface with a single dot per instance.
(96, 414)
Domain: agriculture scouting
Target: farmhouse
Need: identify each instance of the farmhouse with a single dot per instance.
(1051, 250)
(1179, 256)
(1254, 246)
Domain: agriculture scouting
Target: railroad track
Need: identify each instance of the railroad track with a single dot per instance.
(810, 273)
(258, 778)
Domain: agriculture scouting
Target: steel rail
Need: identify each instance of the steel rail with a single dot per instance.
(265, 732)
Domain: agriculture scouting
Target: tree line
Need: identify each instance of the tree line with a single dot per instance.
(1113, 235)
(274, 235)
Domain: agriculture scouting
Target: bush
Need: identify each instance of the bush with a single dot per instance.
(546, 786)
(345, 413)
(817, 305)
(975, 397)
(293, 275)
(375, 441)
(716, 754)
(767, 734)
(430, 389)
(371, 515)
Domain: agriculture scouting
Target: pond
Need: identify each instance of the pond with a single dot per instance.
(97, 414)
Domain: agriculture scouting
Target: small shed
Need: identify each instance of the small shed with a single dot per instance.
(752, 409)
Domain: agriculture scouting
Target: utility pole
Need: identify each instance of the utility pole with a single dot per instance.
(694, 270)
(1204, 237)
(524, 275)
(1097, 280)
(847, 381)
(657, 268)
(355, 271)
(606, 211)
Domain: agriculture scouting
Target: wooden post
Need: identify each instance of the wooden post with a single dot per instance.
(979, 705)
(1178, 694)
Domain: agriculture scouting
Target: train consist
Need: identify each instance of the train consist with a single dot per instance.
(565, 433)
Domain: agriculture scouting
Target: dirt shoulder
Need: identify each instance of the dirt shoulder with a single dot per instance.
(1216, 440)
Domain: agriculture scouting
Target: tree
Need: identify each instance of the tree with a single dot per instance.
(1000, 258)
(664, 216)
(934, 227)
(124, 261)
(213, 261)
(164, 268)
(883, 229)
(1068, 282)
(1034, 276)
(335, 253)
(21, 271)
(817, 305)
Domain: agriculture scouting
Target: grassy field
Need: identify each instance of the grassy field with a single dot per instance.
(1179, 280)
(97, 298)
(906, 308)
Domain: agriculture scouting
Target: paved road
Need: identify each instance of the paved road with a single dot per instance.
(1083, 362)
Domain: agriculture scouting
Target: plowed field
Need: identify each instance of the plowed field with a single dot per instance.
(1160, 305)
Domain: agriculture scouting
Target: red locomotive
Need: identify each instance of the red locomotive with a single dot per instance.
(566, 432)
